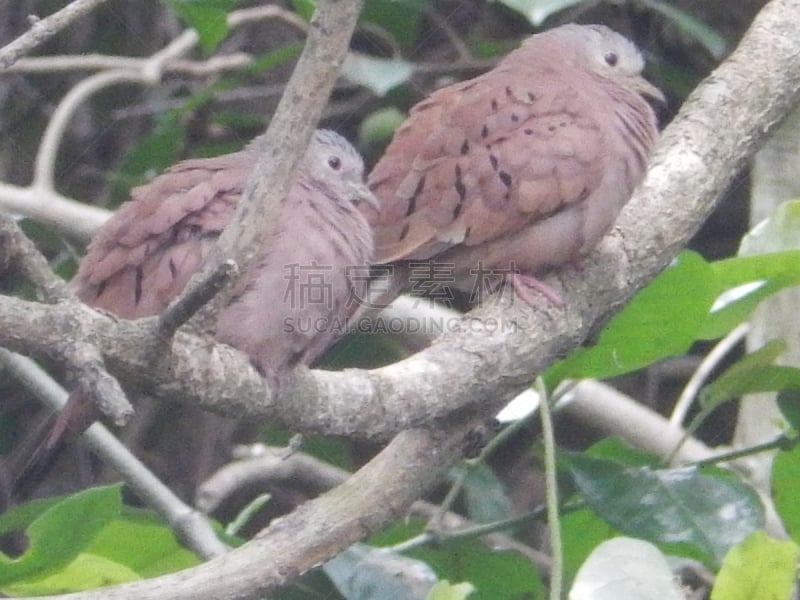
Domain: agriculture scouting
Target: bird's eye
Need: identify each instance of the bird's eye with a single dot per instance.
(611, 58)
(334, 162)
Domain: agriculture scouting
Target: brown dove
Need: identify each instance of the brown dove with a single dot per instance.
(523, 168)
(287, 309)
(307, 277)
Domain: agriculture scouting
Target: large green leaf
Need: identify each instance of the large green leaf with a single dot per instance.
(662, 320)
(61, 532)
(485, 496)
(496, 575)
(140, 541)
(691, 300)
(789, 403)
(400, 18)
(581, 532)
(692, 512)
(781, 231)
(85, 572)
(758, 567)
(365, 573)
(746, 281)
(87, 540)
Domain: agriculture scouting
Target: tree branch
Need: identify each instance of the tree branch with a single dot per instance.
(43, 29)
(287, 137)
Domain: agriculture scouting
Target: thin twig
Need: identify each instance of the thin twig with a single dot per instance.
(782, 442)
(551, 492)
(21, 255)
(186, 306)
(74, 218)
(43, 29)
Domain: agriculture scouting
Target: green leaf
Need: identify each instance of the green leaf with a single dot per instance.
(625, 568)
(61, 532)
(208, 17)
(444, 590)
(141, 542)
(785, 485)
(503, 575)
(613, 448)
(752, 374)
(768, 255)
(747, 280)
(581, 531)
(86, 572)
(698, 514)
(304, 8)
(87, 540)
(21, 516)
(485, 496)
(758, 567)
(781, 231)
(789, 403)
(365, 573)
(398, 532)
(496, 575)
(537, 11)
(662, 320)
(402, 19)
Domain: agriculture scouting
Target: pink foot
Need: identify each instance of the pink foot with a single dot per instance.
(526, 287)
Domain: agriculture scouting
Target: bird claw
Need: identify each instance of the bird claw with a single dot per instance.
(526, 287)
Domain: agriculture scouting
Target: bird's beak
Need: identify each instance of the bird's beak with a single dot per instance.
(364, 196)
(650, 92)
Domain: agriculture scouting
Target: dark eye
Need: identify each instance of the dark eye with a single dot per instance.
(334, 162)
(611, 58)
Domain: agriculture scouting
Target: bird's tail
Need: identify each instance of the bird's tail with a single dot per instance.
(35, 454)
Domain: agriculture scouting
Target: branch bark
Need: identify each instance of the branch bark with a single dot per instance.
(43, 29)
